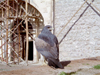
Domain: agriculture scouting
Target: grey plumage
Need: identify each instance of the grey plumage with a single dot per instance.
(47, 45)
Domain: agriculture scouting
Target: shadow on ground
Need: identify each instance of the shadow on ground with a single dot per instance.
(65, 63)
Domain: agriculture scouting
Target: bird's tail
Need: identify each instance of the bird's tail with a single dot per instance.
(55, 63)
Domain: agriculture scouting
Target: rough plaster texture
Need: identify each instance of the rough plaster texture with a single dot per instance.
(84, 39)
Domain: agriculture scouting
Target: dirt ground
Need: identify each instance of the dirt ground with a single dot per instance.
(79, 67)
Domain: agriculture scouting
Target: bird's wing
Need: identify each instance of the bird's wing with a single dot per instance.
(57, 44)
(46, 49)
(47, 38)
(55, 39)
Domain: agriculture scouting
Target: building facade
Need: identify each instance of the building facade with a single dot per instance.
(83, 39)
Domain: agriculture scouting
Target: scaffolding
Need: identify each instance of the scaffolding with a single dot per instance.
(19, 23)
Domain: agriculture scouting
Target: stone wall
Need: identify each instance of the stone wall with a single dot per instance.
(83, 40)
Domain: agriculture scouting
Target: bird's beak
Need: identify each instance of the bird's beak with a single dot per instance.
(50, 29)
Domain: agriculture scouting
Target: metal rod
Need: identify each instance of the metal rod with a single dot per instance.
(53, 16)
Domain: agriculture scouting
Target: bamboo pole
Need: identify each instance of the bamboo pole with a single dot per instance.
(7, 33)
(27, 43)
(71, 18)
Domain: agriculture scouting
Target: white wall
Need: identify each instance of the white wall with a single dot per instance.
(83, 40)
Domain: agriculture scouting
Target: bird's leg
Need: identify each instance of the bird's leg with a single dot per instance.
(42, 60)
(45, 62)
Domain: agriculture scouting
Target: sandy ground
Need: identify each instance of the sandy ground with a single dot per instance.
(81, 67)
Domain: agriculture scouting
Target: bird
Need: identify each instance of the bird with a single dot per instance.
(47, 45)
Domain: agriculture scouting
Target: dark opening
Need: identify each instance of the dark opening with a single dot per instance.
(30, 53)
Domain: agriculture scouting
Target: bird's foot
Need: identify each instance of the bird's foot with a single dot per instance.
(43, 62)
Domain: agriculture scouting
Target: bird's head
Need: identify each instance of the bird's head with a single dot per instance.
(48, 27)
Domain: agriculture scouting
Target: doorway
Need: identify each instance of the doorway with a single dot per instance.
(30, 53)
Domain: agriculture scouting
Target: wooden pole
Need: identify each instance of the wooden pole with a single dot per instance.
(13, 54)
(27, 43)
(13, 34)
(7, 33)
(19, 43)
(18, 35)
(23, 46)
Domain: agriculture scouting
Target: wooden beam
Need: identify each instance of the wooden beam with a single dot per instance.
(20, 17)
(7, 33)
(27, 43)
